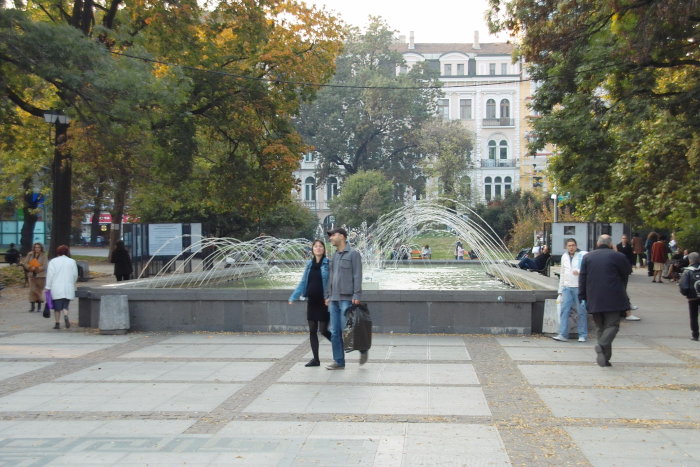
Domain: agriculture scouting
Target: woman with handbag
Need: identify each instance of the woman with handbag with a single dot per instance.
(313, 282)
(35, 265)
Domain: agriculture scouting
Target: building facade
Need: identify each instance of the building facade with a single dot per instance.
(485, 90)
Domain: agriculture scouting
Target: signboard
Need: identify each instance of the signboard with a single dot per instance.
(164, 239)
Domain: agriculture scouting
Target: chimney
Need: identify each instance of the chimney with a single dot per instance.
(402, 39)
(476, 45)
(411, 44)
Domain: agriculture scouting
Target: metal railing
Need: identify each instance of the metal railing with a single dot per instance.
(503, 121)
(498, 163)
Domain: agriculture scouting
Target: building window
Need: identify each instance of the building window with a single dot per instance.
(460, 69)
(403, 69)
(310, 189)
(487, 188)
(465, 109)
(505, 108)
(444, 109)
(490, 108)
(504, 68)
(448, 70)
(492, 150)
(331, 188)
(492, 68)
(503, 149)
(309, 157)
(508, 185)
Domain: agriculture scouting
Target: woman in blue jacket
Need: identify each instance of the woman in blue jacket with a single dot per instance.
(312, 285)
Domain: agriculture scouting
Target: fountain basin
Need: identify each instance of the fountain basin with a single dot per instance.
(261, 310)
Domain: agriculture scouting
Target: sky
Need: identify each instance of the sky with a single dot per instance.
(431, 20)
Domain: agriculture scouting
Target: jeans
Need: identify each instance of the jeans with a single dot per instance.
(527, 263)
(693, 310)
(337, 310)
(569, 300)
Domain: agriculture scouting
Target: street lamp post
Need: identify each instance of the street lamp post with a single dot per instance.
(61, 174)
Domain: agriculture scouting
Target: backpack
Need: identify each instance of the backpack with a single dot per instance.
(690, 283)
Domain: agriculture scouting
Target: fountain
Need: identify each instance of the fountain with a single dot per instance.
(219, 290)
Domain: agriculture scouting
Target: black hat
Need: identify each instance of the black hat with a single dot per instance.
(339, 230)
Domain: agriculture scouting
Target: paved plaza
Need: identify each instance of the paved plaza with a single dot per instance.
(74, 397)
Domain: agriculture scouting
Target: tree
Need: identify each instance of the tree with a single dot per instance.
(290, 220)
(370, 118)
(365, 196)
(446, 146)
(619, 99)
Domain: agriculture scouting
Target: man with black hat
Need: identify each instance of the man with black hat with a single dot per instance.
(344, 289)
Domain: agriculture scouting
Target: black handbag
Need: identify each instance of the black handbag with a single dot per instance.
(357, 334)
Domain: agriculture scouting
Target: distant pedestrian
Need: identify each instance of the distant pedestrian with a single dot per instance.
(313, 283)
(651, 238)
(602, 283)
(568, 293)
(122, 262)
(12, 255)
(426, 253)
(34, 265)
(61, 277)
(625, 247)
(344, 290)
(459, 251)
(638, 249)
(689, 288)
(659, 255)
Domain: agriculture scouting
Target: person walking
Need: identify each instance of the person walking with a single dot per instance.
(568, 293)
(344, 290)
(122, 262)
(35, 265)
(61, 277)
(651, 238)
(313, 283)
(659, 255)
(688, 288)
(625, 247)
(602, 284)
(638, 249)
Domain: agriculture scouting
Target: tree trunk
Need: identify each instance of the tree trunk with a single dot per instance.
(97, 203)
(61, 208)
(115, 232)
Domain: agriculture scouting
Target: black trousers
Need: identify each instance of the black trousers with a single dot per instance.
(693, 310)
(607, 324)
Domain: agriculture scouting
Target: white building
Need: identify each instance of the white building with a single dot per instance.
(482, 88)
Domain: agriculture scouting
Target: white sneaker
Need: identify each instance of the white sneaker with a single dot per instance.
(635, 307)
(582, 339)
(633, 318)
(560, 338)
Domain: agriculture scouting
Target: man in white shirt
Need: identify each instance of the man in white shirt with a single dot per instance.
(568, 293)
(61, 277)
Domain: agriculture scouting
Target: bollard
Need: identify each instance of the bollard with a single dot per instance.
(114, 314)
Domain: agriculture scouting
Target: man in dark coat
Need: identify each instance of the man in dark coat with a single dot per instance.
(602, 284)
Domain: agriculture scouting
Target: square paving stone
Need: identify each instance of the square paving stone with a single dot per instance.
(386, 373)
(622, 403)
(621, 342)
(592, 375)
(566, 353)
(402, 352)
(12, 369)
(169, 371)
(638, 446)
(49, 350)
(91, 428)
(65, 338)
(423, 400)
(417, 339)
(231, 351)
(236, 339)
(120, 397)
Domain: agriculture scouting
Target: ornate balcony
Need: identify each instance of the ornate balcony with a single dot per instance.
(495, 163)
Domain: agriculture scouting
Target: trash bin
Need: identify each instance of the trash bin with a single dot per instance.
(114, 314)
(83, 271)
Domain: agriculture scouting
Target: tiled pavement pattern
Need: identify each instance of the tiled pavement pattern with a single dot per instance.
(74, 397)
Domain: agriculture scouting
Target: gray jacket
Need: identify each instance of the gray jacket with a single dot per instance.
(345, 280)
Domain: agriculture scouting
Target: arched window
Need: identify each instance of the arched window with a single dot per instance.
(310, 189)
(503, 149)
(508, 185)
(505, 108)
(497, 188)
(492, 150)
(309, 157)
(331, 188)
(487, 188)
(490, 108)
